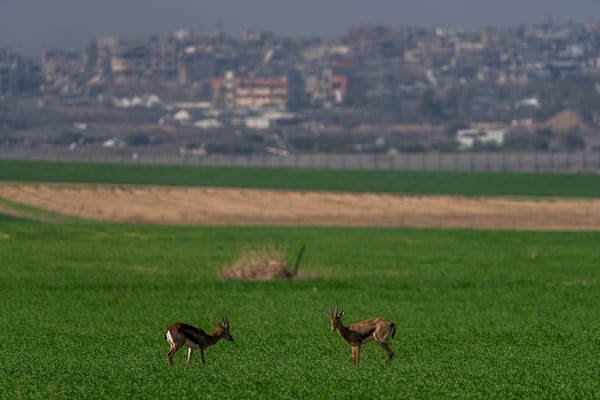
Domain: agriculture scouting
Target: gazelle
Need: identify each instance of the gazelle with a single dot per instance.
(378, 329)
(180, 334)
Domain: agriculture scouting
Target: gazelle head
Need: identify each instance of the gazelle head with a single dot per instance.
(222, 329)
(335, 317)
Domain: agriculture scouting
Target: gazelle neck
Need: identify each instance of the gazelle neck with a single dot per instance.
(214, 337)
(351, 337)
(343, 331)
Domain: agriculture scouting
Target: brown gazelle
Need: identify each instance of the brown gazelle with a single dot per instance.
(180, 334)
(378, 329)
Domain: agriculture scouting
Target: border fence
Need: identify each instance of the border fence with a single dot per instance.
(548, 162)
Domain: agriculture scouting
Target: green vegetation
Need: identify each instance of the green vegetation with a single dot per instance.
(480, 314)
(13, 210)
(455, 183)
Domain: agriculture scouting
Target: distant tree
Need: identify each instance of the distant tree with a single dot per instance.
(482, 146)
(357, 93)
(453, 126)
(138, 139)
(66, 139)
(457, 105)
(576, 94)
(571, 141)
(430, 107)
(550, 101)
(387, 110)
(585, 99)
(538, 140)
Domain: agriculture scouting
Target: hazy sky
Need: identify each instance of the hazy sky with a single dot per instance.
(30, 25)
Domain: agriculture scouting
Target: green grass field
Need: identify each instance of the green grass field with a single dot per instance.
(480, 314)
(454, 183)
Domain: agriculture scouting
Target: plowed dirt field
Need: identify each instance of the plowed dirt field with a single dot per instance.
(232, 206)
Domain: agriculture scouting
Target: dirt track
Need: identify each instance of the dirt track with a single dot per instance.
(225, 206)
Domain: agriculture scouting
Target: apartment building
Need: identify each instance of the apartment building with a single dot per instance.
(124, 61)
(326, 88)
(9, 73)
(234, 91)
(17, 74)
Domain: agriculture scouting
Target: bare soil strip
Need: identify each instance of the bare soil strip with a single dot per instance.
(233, 206)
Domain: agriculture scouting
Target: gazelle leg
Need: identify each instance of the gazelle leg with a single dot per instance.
(355, 354)
(172, 347)
(202, 355)
(189, 356)
(170, 353)
(388, 350)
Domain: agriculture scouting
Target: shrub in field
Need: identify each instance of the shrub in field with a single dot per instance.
(262, 265)
(258, 265)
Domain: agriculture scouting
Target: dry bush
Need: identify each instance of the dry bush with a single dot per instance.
(258, 265)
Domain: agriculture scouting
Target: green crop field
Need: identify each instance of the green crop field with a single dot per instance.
(480, 314)
(454, 183)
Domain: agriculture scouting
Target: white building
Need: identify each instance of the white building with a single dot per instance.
(467, 138)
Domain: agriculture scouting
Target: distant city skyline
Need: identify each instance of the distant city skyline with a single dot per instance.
(29, 26)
